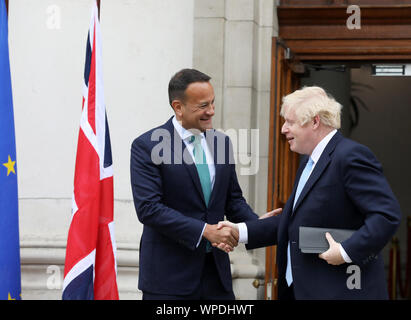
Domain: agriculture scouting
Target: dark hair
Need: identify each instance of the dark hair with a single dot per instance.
(180, 81)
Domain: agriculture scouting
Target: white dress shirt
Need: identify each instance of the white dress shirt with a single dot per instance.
(315, 156)
(185, 136)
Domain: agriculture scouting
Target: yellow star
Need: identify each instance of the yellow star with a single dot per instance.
(10, 166)
(9, 297)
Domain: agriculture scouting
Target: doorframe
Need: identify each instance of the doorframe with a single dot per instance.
(282, 162)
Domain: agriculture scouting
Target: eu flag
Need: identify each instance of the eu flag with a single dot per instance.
(10, 287)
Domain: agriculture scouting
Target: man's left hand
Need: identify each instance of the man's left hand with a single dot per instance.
(332, 255)
(273, 213)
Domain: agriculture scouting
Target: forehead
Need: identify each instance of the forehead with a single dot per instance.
(199, 91)
(289, 113)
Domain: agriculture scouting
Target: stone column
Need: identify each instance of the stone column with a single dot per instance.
(232, 43)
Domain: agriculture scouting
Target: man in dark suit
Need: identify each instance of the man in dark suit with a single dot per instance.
(183, 182)
(339, 184)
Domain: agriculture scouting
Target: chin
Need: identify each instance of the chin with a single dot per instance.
(296, 150)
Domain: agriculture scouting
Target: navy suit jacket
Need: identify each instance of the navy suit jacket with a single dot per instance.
(346, 190)
(169, 202)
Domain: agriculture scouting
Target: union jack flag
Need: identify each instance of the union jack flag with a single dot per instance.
(90, 267)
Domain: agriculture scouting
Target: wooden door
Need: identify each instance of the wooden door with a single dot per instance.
(283, 163)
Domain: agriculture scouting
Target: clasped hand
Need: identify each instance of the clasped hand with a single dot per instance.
(229, 245)
(219, 234)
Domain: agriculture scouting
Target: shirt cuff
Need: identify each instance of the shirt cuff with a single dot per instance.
(344, 254)
(242, 233)
(201, 235)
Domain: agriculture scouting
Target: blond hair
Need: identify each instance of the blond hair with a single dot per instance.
(311, 101)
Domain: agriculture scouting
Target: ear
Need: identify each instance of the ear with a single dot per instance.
(177, 106)
(316, 121)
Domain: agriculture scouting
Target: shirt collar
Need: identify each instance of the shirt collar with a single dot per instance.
(318, 150)
(183, 133)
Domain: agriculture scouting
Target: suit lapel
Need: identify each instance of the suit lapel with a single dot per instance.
(315, 175)
(211, 140)
(182, 156)
(319, 168)
(297, 178)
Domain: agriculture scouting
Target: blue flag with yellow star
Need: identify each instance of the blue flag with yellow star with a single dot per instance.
(10, 287)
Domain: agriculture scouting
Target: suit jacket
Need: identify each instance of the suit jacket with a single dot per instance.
(169, 202)
(346, 190)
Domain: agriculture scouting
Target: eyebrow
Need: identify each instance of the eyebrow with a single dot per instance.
(206, 102)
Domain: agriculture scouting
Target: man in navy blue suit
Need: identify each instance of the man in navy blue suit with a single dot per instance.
(183, 182)
(339, 184)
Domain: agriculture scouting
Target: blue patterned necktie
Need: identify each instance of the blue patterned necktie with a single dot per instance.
(203, 173)
(303, 179)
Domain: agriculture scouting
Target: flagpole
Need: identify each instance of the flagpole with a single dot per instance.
(7, 6)
(98, 7)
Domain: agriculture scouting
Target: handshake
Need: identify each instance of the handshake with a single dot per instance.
(225, 234)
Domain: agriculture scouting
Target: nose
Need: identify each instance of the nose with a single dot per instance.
(284, 128)
(210, 111)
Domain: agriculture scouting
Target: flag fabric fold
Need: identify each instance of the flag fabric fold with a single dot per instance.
(10, 275)
(90, 266)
